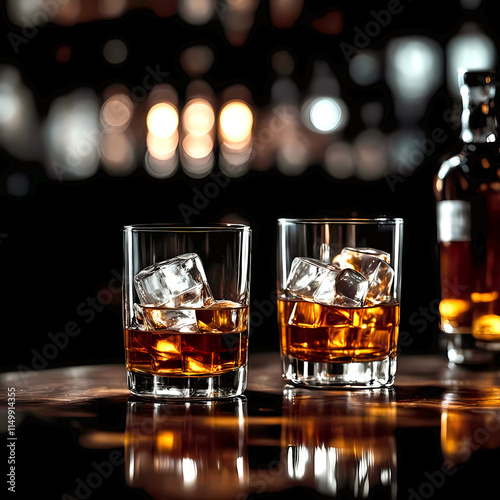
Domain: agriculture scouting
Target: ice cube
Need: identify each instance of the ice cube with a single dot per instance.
(350, 255)
(325, 293)
(176, 282)
(305, 276)
(374, 265)
(138, 319)
(351, 288)
(177, 320)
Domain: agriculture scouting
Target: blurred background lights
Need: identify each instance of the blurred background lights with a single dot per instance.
(112, 8)
(162, 148)
(326, 114)
(162, 120)
(196, 60)
(282, 63)
(470, 4)
(116, 112)
(284, 13)
(196, 12)
(365, 68)
(197, 147)
(115, 51)
(294, 154)
(160, 169)
(18, 116)
(64, 53)
(371, 155)
(339, 160)
(408, 149)
(117, 153)
(72, 136)
(470, 49)
(235, 137)
(198, 117)
(10, 102)
(236, 121)
(413, 72)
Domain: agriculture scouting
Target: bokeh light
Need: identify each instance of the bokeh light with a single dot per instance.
(72, 135)
(117, 153)
(115, 51)
(116, 112)
(413, 69)
(371, 155)
(325, 114)
(162, 148)
(470, 49)
(162, 120)
(339, 160)
(161, 169)
(196, 12)
(198, 117)
(365, 68)
(236, 121)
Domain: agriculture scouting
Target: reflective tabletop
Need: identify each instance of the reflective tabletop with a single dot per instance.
(77, 433)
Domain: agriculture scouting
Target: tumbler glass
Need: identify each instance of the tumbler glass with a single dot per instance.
(339, 285)
(186, 294)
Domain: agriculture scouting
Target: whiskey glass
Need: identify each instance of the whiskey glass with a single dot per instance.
(339, 285)
(186, 293)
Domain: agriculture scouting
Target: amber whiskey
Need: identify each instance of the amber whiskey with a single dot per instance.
(330, 334)
(467, 190)
(215, 344)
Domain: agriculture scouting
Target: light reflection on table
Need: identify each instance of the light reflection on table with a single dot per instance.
(275, 441)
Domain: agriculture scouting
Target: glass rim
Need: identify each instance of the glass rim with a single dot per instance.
(169, 227)
(343, 220)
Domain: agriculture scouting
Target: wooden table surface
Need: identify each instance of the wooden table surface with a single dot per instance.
(76, 432)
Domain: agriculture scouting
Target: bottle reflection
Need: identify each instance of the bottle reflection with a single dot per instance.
(343, 444)
(468, 426)
(187, 449)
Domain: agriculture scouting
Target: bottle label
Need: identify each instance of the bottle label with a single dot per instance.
(453, 220)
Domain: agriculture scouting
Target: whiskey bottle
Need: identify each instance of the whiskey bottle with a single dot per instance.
(467, 191)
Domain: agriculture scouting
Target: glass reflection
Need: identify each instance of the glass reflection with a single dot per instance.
(469, 424)
(187, 449)
(342, 444)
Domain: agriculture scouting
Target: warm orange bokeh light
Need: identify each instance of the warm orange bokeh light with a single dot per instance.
(236, 121)
(198, 117)
(197, 146)
(162, 148)
(162, 120)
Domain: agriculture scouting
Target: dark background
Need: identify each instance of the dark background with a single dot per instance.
(61, 243)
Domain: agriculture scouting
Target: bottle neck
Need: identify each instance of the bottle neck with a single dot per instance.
(479, 121)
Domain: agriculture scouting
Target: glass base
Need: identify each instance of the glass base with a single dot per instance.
(226, 385)
(362, 375)
(464, 349)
